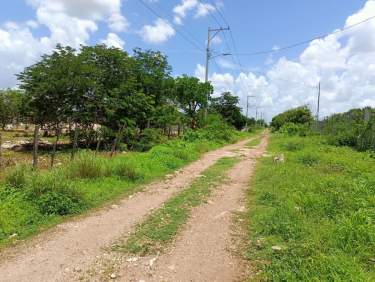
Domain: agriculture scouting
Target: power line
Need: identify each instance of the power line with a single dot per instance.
(195, 44)
(304, 42)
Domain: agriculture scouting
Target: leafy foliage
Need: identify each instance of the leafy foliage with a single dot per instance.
(227, 106)
(300, 115)
(354, 128)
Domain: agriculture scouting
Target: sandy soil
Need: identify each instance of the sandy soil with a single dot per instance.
(70, 249)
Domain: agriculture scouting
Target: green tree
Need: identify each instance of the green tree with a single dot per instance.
(191, 96)
(300, 115)
(227, 106)
(11, 110)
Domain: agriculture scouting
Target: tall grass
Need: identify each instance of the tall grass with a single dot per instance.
(30, 201)
(318, 208)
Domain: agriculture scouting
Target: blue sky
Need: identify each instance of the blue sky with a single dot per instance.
(29, 28)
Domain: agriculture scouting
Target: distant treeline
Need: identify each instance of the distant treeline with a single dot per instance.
(355, 128)
(105, 97)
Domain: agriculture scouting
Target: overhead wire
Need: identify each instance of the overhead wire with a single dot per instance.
(294, 45)
(191, 40)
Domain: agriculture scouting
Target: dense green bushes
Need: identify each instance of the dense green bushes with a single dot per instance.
(298, 116)
(354, 128)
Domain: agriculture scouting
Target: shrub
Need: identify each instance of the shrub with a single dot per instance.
(148, 138)
(308, 159)
(293, 146)
(293, 129)
(54, 195)
(300, 115)
(126, 171)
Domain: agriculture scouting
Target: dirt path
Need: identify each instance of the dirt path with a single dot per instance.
(69, 249)
(202, 252)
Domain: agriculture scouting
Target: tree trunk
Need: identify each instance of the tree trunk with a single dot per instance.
(58, 131)
(75, 141)
(35, 147)
(119, 133)
(169, 131)
(193, 123)
(99, 140)
(179, 129)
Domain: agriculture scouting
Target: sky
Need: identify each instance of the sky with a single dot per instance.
(343, 61)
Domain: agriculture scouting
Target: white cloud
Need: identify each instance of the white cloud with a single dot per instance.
(343, 62)
(160, 32)
(113, 40)
(200, 10)
(69, 22)
(217, 40)
(204, 9)
(18, 48)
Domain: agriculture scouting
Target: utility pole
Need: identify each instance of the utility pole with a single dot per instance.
(247, 108)
(318, 108)
(212, 32)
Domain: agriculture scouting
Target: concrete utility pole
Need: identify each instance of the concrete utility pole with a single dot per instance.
(318, 108)
(247, 108)
(212, 32)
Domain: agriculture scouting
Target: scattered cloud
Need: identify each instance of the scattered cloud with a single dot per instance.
(200, 10)
(158, 33)
(344, 63)
(68, 22)
(113, 40)
(204, 9)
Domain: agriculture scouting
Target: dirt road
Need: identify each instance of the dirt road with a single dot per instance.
(71, 248)
(203, 251)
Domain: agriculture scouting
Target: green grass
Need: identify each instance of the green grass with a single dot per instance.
(159, 229)
(319, 207)
(31, 201)
(254, 142)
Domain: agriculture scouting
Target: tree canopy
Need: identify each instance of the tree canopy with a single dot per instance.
(300, 115)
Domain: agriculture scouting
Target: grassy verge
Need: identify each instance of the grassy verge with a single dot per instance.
(33, 201)
(312, 218)
(254, 142)
(160, 228)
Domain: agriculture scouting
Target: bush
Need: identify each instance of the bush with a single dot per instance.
(54, 195)
(216, 130)
(126, 171)
(148, 138)
(293, 129)
(308, 159)
(300, 115)
(293, 146)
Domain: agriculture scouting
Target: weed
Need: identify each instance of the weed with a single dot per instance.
(322, 217)
(30, 201)
(86, 165)
(17, 177)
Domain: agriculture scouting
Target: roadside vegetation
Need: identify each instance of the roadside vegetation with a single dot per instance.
(160, 228)
(311, 209)
(107, 100)
(87, 126)
(33, 200)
